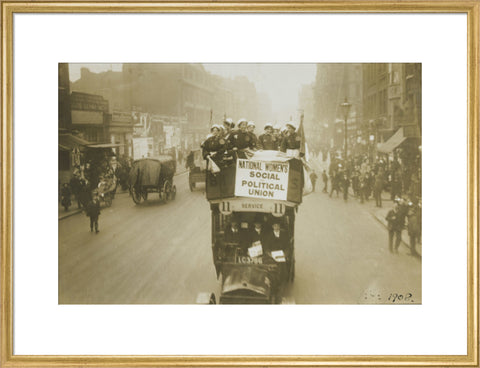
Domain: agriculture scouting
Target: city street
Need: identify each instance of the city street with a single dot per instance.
(158, 253)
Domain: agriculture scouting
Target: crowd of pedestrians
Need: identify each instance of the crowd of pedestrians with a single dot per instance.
(363, 180)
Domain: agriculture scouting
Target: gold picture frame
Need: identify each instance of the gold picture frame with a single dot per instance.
(9, 8)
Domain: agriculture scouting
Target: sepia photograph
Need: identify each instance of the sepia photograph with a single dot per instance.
(240, 183)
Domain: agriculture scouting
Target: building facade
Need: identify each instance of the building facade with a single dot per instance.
(392, 99)
(90, 117)
(334, 83)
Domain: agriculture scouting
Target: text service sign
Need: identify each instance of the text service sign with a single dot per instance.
(260, 179)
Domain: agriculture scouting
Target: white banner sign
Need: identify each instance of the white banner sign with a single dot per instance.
(260, 179)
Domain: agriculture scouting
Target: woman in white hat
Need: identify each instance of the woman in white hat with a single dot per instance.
(214, 143)
(239, 139)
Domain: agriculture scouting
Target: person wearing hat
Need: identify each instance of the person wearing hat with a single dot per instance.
(237, 236)
(232, 232)
(92, 211)
(228, 125)
(239, 139)
(252, 135)
(291, 141)
(258, 232)
(214, 144)
(267, 141)
(278, 239)
(396, 222)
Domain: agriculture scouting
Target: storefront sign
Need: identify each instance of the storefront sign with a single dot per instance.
(259, 179)
(142, 148)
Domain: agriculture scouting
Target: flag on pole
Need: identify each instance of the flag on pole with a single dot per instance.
(301, 135)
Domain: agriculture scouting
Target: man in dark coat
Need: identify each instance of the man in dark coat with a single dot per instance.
(237, 236)
(84, 194)
(277, 239)
(240, 139)
(258, 233)
(267, 140)
(378, 188)
(93, 211)
(214, 144)
(414, 219)
(313, 179)
(345, 186)
(325, 181)
(232, 232)
(336, 180)
(396, 221)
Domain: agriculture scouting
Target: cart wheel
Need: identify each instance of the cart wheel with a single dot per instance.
(167, 188)
(136, 196)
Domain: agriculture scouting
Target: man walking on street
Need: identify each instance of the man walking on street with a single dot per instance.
(346, 185)
(325, 181)
(413, 227)
(93, 211)
(313, 179)
(395, 219)
(378, 188)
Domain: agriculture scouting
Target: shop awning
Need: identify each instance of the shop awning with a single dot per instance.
(70, 141)
(394, 141)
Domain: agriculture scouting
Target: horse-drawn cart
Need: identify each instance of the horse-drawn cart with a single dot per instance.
(152, 175)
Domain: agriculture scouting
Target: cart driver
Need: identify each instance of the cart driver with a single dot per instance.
(234, 234)
(278, 239)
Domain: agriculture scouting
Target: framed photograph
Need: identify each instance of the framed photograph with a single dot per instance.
(240, 184)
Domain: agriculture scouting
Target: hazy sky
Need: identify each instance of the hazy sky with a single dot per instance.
(281, 82)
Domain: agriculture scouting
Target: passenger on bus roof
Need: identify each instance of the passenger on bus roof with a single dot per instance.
(214, 143)
(239, 139)
(291, 141)
(267, 140)
(252, 135)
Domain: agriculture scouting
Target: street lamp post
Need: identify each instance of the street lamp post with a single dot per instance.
(346, 108)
